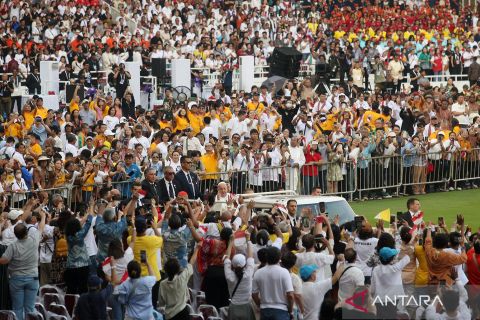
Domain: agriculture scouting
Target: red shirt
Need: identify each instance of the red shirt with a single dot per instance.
(311, 170)
(473, 272)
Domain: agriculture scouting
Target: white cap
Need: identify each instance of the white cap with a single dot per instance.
(108, 132)
(123, 120)
(14, 214)
(239, 261)
(192, 103)
(392, 134)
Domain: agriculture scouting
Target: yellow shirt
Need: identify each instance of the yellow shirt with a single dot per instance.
(42, 112)
(14, 130)
(182, 123)
(37, 149)
(74, 106)
(196, 122)
(149, 244)
(226, 111)
(286, 237)
(88, 184)
(60, 179)
(165, 124)
(421, 274)
(29, 119)
(258, 107)
(433, 135)
(209, 161)
(369, 117)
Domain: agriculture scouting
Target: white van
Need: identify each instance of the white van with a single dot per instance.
(333, 205)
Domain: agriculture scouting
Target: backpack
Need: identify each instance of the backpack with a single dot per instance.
(61, 247)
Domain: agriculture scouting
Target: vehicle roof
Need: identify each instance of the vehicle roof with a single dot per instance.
(300, 199)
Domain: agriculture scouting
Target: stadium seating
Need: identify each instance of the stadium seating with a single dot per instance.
(7, 315)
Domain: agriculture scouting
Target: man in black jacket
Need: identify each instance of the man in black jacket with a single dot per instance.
(33, 82)
(188, 181)
(65, 76)
(167, 188)
(150, 185)
(413, 206)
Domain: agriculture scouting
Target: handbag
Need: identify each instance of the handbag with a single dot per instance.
(430, 167)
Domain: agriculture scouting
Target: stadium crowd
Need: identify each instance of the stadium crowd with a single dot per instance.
(122, 204)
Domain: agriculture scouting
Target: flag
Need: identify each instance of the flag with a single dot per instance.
(384, 215)
(417, 219)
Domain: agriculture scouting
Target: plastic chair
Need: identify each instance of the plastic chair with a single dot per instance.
(196, 317)
(7, 315)
(214, 318)
(41, 309)
(70, 302)
(200, 300)
(403, 316)
(190, 309)
(207, 311)
(34, 316)
(49, 289)
(58, 309)
(57, 317)
(50, 298)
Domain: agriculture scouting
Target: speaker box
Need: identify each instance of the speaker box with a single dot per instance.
(159, 67)
(285, 62)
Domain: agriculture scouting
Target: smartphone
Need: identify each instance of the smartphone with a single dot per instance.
(143, 256)
(322, 207)
(393, 219)
(399, 217)
(305, 222)
(441, 221)
(358, 222)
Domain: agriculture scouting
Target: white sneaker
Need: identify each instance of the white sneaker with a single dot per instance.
(451, 188)
(459, 189)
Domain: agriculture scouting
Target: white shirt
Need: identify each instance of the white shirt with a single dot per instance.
(450, 147)
(90, 240)
(120, 265)
(462, 119)
(321, 259)
(192, 144)
(240, 163)
(273, 283)
(111, 122)
(387, 279)
(434, 152)
(244, 289)
(312, 295)
(256, 247)
(70, 148)
(349, 281)
(47, 247)
(462, 277)
(143, 141)
(365, 248)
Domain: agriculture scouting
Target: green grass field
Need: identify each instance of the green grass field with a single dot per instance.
(440, 204)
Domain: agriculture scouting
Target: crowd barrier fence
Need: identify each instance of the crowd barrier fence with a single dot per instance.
(365, 178)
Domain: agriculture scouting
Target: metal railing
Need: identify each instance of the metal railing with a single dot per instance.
(375, 177)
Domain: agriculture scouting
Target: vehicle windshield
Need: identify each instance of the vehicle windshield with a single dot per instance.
(334, 208)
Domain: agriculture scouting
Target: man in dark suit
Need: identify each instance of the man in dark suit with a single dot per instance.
(150, 185)
(188, 181)
(65, 76)
(413, 206)
(33, 82)
(166, 186)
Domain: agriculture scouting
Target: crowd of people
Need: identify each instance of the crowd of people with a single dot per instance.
(174, 259)
(123, 204)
